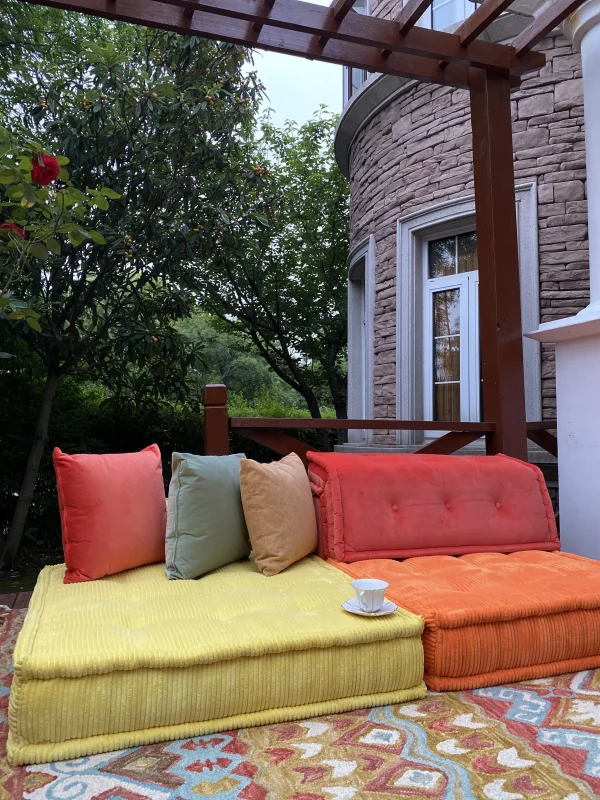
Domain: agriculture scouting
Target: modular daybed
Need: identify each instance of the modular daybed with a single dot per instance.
(478, 535)
(135, 658)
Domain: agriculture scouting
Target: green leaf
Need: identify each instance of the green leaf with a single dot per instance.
(25, 165)
(34, 324)
(101, 202)
(7, 175)
(76, 238)
(110, 194)
(39, 250)
(97, 237)
(63, 174)
(53, 246)
(6, 355)
(29, 193)
(62, 160)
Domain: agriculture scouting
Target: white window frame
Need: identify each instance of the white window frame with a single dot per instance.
(347, 71)
(412, 232)
(361, 307)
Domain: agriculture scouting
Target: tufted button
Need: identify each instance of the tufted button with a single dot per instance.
(497, 505)
(394, 507)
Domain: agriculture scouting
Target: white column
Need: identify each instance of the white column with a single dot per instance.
(577, 338)
(583, 27)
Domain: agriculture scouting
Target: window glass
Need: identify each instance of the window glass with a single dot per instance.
(446, 402)
(446, 359)
(447, 12)
(359, 76)
(442, 257)
(467, 252)
(446, 355)
(443, 13)
(446, 313)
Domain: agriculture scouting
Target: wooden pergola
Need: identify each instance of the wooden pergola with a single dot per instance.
(339, 35)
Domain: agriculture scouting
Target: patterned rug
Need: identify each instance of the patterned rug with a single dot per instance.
(530, 740)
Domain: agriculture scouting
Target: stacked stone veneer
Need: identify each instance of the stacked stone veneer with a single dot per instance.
(416, 152)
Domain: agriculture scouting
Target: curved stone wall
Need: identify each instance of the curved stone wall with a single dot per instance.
(415, 151)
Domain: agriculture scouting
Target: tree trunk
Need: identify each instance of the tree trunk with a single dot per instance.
(315, 412)
(17, 525)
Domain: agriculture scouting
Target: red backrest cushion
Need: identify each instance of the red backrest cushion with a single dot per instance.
(112, 510)
(398, 506)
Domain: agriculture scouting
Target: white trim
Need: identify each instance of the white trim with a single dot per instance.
(452, 217)
(361, 306)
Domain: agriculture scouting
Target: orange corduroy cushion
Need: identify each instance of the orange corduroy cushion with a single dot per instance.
(403, 505)
(492, 618)
(112, 510)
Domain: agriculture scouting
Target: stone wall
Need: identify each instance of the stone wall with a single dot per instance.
(417, 151)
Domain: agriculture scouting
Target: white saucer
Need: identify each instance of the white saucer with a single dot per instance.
(353, 607)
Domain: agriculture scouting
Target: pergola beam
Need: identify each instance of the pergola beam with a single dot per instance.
(411, 13)
(480, 19)
(341, 8)
(552, 16)
(370, 32)
(211, 26)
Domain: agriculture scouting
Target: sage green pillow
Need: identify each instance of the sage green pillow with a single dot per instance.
(205, 519)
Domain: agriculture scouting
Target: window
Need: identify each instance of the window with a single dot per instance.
(452, 385)
(443, 13)
(354, 78)
(361, 302)
(455, 266)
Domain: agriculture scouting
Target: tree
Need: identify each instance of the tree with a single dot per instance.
(157, 120)
(283, 283)
(37, 210)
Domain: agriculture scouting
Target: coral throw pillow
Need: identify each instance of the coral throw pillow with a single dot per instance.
(279, 512)
(112, 510)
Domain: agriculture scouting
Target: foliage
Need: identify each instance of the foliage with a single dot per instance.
(157, 121)
(283, 283)
(38, 213)
(230, 357)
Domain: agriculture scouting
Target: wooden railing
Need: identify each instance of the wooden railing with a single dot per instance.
(269, 432)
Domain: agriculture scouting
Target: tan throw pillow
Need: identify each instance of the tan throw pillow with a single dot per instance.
(279, 512)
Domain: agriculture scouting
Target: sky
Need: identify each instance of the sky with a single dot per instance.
(296, 87)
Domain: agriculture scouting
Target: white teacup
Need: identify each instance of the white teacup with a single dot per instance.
(370, 593)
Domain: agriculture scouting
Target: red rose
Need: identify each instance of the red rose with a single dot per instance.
(45, 169)
(14, 228)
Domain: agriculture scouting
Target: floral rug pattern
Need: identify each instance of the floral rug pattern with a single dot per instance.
(538, 739)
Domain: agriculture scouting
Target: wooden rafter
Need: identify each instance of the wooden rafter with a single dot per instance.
(411, 13)
(370, 32)
(552, 16)
(480, 19)
(211, 26)
(382, 34)
(339, 8)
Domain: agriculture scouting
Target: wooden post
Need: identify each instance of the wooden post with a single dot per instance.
(500, 327)
(216, 420)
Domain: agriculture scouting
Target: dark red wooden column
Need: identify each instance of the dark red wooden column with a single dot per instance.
(499, 289)
(216, 420)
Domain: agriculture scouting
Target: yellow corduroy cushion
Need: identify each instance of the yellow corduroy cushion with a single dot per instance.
(135, 658)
